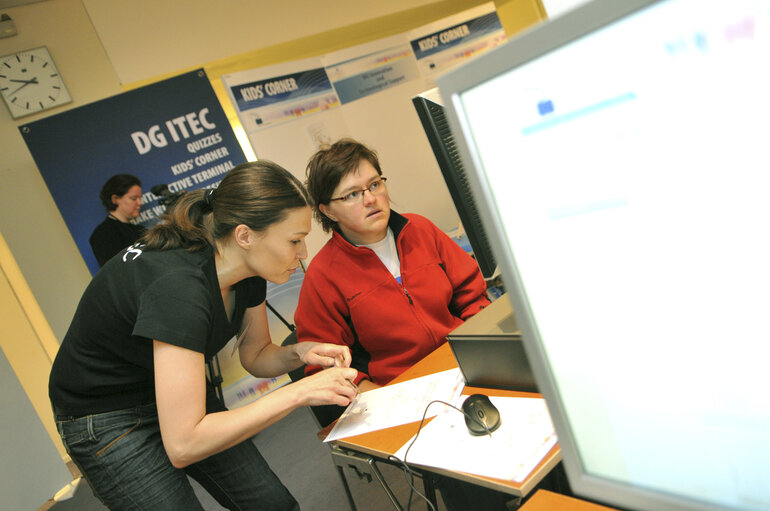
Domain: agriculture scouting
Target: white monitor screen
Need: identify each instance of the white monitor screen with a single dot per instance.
(625, 174)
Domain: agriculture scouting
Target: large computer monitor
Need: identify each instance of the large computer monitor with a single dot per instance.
(430, 110)
(621, 151)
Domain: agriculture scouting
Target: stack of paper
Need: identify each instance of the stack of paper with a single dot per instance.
(511, 452)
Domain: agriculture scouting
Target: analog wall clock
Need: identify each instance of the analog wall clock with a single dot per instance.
(30, 82)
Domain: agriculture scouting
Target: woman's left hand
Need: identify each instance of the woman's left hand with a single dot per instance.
(323, 354)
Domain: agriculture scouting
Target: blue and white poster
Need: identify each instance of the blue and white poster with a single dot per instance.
(273, 95)
(172, 132)
(451, 41)
(367, 69)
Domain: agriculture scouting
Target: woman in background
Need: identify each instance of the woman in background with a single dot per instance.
(128, 386)
(121, 195)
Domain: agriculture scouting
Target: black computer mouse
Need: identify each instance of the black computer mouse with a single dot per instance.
(481, 416)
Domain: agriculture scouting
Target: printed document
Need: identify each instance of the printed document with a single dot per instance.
(397, 404)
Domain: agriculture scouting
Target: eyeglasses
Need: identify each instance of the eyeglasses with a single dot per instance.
(375, 188)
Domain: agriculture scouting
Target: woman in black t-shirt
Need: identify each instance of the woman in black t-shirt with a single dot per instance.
(121, 195)
(128, 385)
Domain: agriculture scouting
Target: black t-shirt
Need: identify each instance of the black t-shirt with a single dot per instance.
(105, 361)
(112, 236)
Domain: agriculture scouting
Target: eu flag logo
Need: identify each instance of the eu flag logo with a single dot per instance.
(545, 107)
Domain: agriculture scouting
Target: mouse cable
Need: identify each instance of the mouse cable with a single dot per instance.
(408, 472)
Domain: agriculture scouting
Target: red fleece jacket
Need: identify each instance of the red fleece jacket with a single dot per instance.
(349, 297)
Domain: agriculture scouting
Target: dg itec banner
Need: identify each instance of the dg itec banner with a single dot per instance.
(171, 133)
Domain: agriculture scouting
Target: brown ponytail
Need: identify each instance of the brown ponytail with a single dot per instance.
(257, 194)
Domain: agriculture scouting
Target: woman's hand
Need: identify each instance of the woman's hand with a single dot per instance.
(333, 386)
(323, 354)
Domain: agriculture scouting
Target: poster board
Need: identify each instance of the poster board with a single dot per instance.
(172, 132)
(451, 41)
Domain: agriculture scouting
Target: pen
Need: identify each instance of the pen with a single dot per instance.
(358, 392)
(339, 361)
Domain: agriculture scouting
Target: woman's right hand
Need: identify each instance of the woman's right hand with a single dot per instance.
(330, 386)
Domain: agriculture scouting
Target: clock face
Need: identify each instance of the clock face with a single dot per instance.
(30, 82)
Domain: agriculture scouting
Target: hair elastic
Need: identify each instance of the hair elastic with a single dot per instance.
(208, 199)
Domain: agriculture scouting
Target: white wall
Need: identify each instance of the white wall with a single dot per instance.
(31, 471)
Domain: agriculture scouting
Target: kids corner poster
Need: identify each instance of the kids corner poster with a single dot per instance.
(273, 95)
(451, 41)
(172, 132)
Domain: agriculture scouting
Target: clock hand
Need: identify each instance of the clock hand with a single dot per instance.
(26, 82)
(33, 80)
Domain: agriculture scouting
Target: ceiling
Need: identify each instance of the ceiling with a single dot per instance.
(4, 4)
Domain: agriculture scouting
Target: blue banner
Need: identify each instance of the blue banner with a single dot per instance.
(289, 87)
(456, 35)
(172, 132)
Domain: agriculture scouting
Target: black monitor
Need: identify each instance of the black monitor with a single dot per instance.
(621, 153)
(433, 119)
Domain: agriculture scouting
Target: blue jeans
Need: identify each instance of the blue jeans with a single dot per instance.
(121, 456)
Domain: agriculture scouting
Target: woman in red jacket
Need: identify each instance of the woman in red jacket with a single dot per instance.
(389, 286)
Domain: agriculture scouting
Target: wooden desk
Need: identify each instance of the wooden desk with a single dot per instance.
(386, 442)
(547, 501)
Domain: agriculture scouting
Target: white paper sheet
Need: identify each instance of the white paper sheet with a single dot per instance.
(525, 436)
(401, 403)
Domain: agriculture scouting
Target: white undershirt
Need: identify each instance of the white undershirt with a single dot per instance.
(386, 251)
